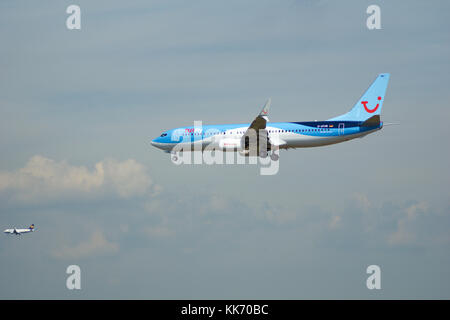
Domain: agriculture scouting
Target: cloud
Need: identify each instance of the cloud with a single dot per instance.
(96, 245)
(128, 178)
(335, 222)
(159, 231)
(279, 216)
(362, 201)
(406, 225)
(44, 178)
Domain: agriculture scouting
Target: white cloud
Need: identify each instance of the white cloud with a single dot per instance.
(405, 233)
(128, 178)
(46, 178)
(96, 245)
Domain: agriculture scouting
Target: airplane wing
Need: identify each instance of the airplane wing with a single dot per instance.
(260, 124)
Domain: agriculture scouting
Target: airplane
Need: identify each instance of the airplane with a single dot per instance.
(361, 120)
(19, 231)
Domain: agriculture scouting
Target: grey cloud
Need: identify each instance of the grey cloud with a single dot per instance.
(96, 245)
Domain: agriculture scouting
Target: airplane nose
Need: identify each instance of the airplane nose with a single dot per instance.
(155, 143)
(158, 144)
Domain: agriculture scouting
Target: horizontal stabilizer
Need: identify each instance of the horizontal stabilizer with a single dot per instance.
(373, 121)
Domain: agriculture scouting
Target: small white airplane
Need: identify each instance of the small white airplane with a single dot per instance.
(19, 231)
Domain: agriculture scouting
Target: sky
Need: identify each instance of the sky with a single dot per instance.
(78, 109)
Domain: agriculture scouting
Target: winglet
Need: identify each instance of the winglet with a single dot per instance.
(265, 111)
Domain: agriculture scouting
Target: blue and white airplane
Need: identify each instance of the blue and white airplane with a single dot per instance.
(362, 119)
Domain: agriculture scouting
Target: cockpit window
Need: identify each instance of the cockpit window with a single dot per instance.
(164, 134)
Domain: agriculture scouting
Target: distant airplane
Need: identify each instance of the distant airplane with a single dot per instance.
(19, 231)
(362, 119)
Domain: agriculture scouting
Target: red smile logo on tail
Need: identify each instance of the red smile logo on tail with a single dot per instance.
(364, 103)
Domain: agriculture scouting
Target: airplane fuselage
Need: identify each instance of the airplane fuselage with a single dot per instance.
(293, 134)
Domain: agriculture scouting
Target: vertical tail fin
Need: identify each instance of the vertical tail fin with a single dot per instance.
(370, 103)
